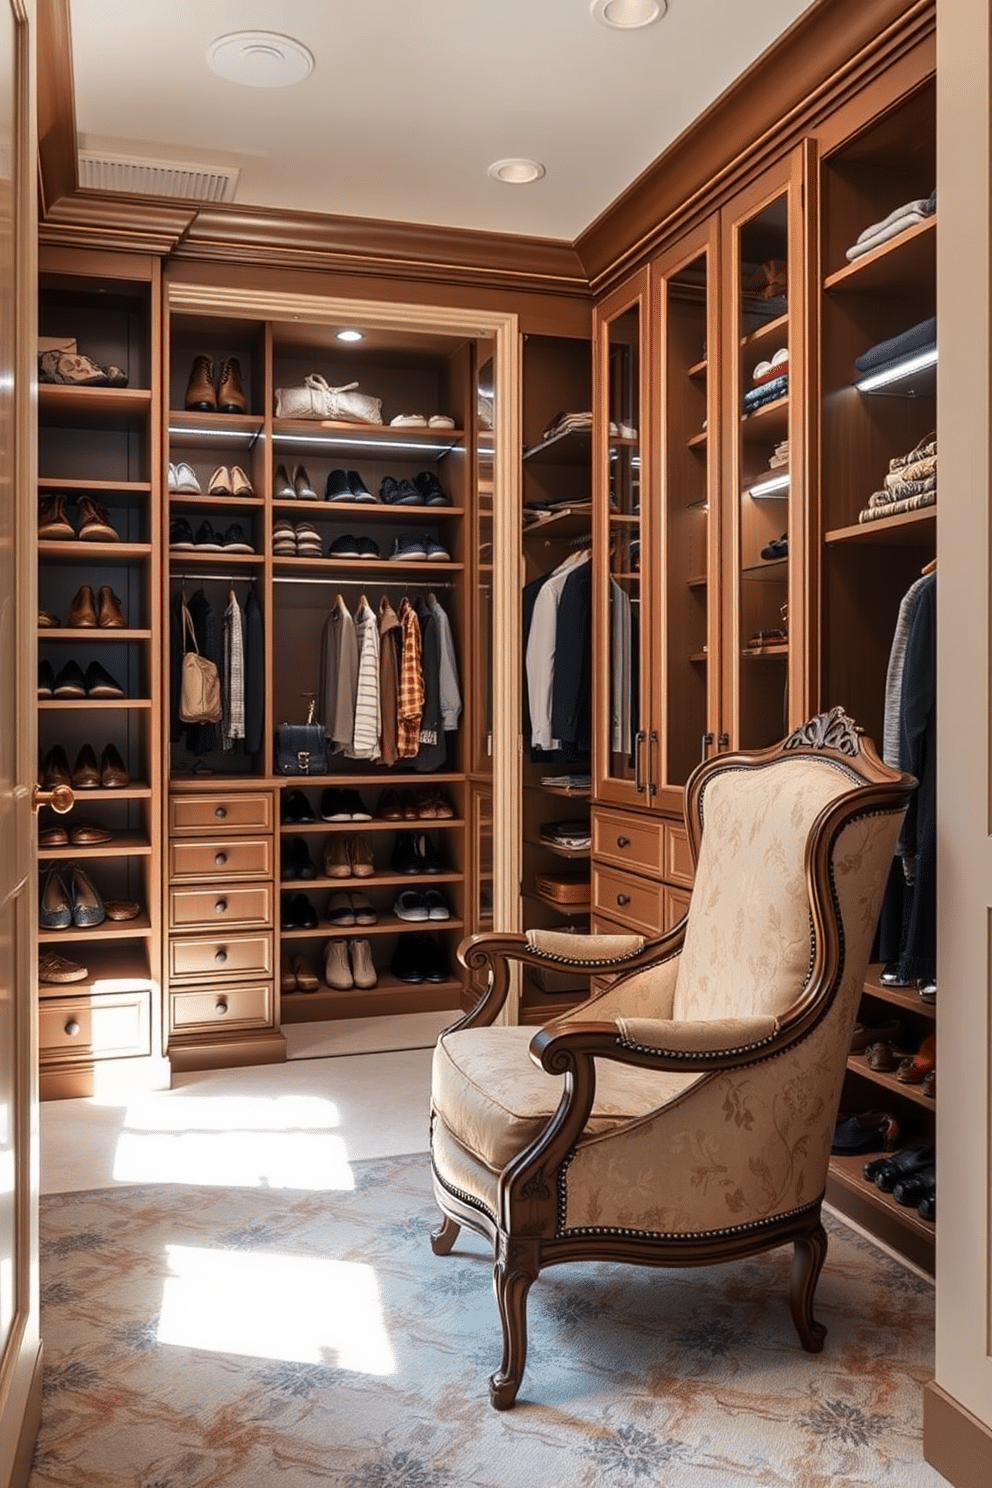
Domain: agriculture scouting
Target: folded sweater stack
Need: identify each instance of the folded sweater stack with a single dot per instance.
(911, 483)
(898, 220)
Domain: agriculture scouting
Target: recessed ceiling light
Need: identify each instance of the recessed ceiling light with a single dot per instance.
(516, 171)
(260, 59)
(627, 15)
(351, 336)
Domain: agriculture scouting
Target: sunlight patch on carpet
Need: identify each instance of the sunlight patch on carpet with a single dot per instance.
(239, 1141)
(299, 1309)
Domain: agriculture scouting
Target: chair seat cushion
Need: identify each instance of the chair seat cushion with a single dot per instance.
(494, 1099)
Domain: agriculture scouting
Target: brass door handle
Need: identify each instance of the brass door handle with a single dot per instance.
(61, 798)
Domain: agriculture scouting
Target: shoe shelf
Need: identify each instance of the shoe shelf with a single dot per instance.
(896, 1224)
(567, 522)
(84, 634)
(126, 844)
(373, 824)
(907, 998)
(698, 441)
(698, 371)
(371, 570)
(76, 551)
(102, 407)
(190, 501)
(376, 439)
(234, 431)
(389, 996)
(139, 927)
(87, 486)
(385, 925)
(89, 705)
(396, 511)
(858, 1065)
(121, 968)
(767, 424)
(189, 560)
(915, 529)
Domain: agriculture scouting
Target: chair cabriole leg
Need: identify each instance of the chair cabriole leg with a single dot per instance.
(515, 1269)
(444, 1237)
(808, 1256)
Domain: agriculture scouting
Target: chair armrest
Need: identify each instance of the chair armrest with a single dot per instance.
(658, 1043)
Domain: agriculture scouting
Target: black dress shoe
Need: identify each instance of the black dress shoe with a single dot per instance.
(405, 965)
(296, 807)
(430, 859)
(302, 862)
(337, 488)
(885, 1172)
(334, 805)
(70, 681)
(46, 679)
(406, 858)
(299, 914)
(287, 868)
(916, 1187)
(100, 684)
(927, 1207)
(433, 959)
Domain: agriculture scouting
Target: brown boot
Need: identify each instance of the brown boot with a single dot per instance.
(111, 614)
(53, 523)
(200, 395)
(82, 611)
(337, 971)
(93, 523)
(230, 394)
(336, 862)
(360, 852)
(363, 971)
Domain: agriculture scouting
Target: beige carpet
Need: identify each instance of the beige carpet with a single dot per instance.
(216, 1337)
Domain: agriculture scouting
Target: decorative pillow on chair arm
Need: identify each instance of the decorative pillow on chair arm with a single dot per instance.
(584, 949)
(698, 1036)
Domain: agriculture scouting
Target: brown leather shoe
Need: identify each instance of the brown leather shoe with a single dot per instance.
(113, 771)
(121, 909)
(58, 969)
(336, 860)
(304, 976)
(200, 395)
(55, 769)
(287, 976)
(240, 484)
(111, 614)
(230, 394)
(88, 834)
(360, 852)
(53, 837)
(53, 524)
(93, 523)
(82, 611)
(86, 771)
(48, 621)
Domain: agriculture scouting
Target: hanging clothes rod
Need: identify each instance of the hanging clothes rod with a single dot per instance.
(372, 582)
(223, 578)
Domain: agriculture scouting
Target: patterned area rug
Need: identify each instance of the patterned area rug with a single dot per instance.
(235, 1338)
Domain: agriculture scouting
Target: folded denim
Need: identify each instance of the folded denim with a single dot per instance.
(919, 337)
(766, 392)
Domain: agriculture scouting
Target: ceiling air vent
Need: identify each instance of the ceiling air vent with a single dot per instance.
(124, 173)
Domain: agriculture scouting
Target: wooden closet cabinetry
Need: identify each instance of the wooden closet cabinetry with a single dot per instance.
(98, 683)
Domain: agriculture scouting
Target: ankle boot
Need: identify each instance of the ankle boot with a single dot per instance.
(337, 969)
(82, 611)
(200, 395)
(363, 971)
(230, 394)
(111, 616)
(93, 523)
(52, 520)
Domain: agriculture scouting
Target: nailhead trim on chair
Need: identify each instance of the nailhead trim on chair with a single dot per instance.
(575, 961)
(696, 1053)
(457, 1193)
(751, 1227)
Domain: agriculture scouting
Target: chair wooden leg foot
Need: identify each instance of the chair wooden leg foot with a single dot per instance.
(808, 1256)
(444, 1237)
(515, 1270)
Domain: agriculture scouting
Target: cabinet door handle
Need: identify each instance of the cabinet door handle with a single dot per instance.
(623, 898)
(72, 1028)
(723, 742)
(220, 859)
(639, 738)
(220, 957)
(221, 906)
(652, 786)
(220, 813)
(707, 742)
(623, 842)
(220, 1006)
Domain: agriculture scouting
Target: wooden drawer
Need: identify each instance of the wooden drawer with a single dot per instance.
(635, 903)
(95, 1026)
(635, 842)
(229, 1007)
(225, 812)
(675, 905)
(216, 956)
(234, 857)
(242, 904)
(678, 859)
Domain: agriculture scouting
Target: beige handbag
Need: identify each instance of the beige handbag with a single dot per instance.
(318, 400)
(199, 687)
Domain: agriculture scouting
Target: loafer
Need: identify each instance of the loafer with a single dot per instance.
(886, 1171)
(55, 768)
(87, 906)
(919, 1185)
(234, 540)
(46, 679)
(405, 858)
(339, 910)
(408, 421)
(359, 490)
(47, 620)
(180, 533)
(301, 913)
(437, 905)
(184, 479)
(82, 611)
(201, 396)
(206, 539)
(113, 771)
(86, 771)
(300, 860)
(53, 523)
(240, 484)
(408, 550)
(121, 909)
(866, 1131)
(927, 1207)
(230, 393)
(70, 681)
(388, 807)
(94, 525)
(302, 489)
(220, 482)
(337, 488)
(54, 836)
(88, 834)
(296, 807)
(100, 684)
(914, 1069)
(55, 909)
(59, 969)
(882, 1057)
(110, 616)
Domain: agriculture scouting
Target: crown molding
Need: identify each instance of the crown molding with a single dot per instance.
(829, 52)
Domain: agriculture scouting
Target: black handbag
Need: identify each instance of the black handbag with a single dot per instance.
(301, 748)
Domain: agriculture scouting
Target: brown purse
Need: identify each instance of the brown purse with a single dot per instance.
(200, 698)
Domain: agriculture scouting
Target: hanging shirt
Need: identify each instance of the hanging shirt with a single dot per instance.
(365, 742)
(233, 724)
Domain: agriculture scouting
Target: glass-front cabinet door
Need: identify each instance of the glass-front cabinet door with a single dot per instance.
(765, 677)
(624, 732)
(687, 600)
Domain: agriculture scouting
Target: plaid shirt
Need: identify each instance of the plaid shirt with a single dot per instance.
(411, 694)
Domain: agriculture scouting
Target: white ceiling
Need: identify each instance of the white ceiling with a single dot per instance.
(411, 100)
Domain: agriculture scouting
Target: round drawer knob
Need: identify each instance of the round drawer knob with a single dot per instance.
(623, 842)
(623, 898)
(220, 859)
(220, 957)
(221, 906)
(220, 1006)
(72, 1028)
(220, 813)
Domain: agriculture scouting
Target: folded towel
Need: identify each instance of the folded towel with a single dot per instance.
(917, 338)
(883, 234)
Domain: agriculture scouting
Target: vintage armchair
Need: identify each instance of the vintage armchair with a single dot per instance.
(684, 1115)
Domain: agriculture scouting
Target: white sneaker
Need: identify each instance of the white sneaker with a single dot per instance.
(440, 421)
(186, 479)
(408, 421)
